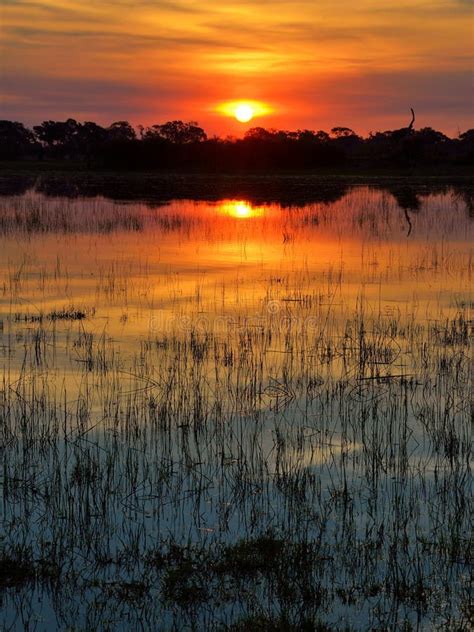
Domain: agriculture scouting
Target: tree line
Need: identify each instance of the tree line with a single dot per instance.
(185, 145)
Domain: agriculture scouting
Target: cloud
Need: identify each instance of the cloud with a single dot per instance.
(148, 58)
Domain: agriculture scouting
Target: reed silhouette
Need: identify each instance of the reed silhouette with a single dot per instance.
(287, 190)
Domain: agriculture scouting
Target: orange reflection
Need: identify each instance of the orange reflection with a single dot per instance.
(240, 209)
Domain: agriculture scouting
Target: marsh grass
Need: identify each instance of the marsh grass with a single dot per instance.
(269, 449)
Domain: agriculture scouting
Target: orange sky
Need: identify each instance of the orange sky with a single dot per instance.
(316, 63)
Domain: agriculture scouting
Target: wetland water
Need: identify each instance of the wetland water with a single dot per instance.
(236, 413)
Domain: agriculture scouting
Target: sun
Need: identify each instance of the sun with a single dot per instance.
(240, 209)
(244, 112)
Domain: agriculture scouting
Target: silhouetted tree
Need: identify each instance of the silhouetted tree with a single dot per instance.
(121, 131)
(403, 132)
(16, 140)
(320, 136)
(467, 136)
(394, 146)
(464, 152)
(259, 134)
(90, 140)
(342, 132)
(177, 132)
(346, 140)
(60, 137)
(184, 145)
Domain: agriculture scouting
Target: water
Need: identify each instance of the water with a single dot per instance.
(193, 374)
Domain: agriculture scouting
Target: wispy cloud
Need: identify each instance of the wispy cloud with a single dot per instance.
(155, 57)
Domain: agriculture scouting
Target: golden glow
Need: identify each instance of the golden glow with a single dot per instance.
(244, 111)
(322, 62)
(240, 209)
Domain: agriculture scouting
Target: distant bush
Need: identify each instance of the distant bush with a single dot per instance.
(180, 145)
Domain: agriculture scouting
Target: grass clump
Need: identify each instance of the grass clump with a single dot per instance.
(248, 557)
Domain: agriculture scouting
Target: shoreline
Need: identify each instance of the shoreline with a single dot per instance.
(74, 167)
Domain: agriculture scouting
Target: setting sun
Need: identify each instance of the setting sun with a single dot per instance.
(244, 113)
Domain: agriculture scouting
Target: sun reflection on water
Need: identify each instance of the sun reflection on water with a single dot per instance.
(240, 209)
